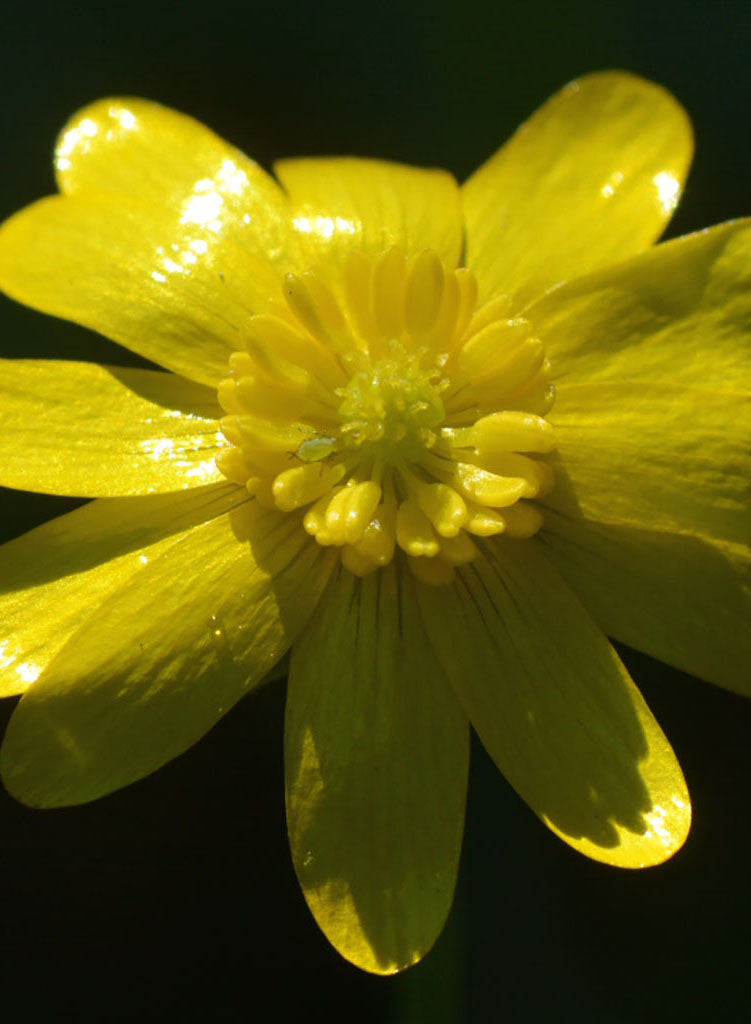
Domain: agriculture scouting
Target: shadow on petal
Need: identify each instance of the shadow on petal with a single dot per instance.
(555, 707)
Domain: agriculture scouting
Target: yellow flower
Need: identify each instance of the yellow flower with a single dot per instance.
(436, 440)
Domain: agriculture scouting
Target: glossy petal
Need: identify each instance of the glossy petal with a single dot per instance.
(53, 577)
(679, 313)
(94, 431)
(674, 596)
(172, 289)
(659, 456)
(342, 204)
(376, 758)
(556, 709)
(133, 147)
(591, 178)
(163, 657)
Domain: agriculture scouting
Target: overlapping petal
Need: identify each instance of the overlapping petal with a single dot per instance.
(95, 431)
(137, 148)
(591, 178)
(376, 757)
(679, 313)
(653, 418)
(672, 595)
(659, 456)
(163, 657)
(344, 204)
(170, 288)
(556, 709)
(56, 575)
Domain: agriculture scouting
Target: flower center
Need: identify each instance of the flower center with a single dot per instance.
(392, 411)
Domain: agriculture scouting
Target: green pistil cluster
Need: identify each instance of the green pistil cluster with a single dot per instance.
(393, 408)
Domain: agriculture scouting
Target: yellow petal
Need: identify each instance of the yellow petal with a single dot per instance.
(679, 312)
(164, 657)
(54, 576)
(591, 178)
(376, 759)
(556, 709)
(133, 147)
(94, 431)
(659, 456)
(172, 289)
(673, 596)
(345, 204)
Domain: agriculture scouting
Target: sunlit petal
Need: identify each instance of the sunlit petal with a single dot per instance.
(163, 657)
(85, 257)
(133, 147)
(590, 178)
(94, 431)
(556, 709)
(376, 757)
(344, 205)
(54, 576)
(677, 313)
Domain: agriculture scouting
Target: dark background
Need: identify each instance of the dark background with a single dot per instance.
(177, 896)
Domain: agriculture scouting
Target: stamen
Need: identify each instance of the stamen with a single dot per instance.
(363, 501)
(302, 485)
(358, 282)
(495, 344)
(414, 532)
(294, 347)
(512, 431)
(317, 311)
(336, 512)
(490, 488)
(389, 283)
(379, 538)
(424, 293)
(484, 522)
(467, 285)
(458, 550)
(443, 506)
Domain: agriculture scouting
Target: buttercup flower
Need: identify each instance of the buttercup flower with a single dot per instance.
(436, 440)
